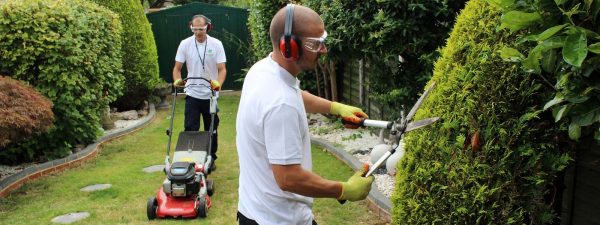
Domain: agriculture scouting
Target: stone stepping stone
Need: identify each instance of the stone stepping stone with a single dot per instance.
(96, 187)
(71, 217)
(155, 168)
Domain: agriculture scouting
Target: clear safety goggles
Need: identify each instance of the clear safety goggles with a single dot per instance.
(199, 29)
(314, 44)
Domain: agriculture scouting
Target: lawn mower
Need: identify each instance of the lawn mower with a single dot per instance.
(186, 191)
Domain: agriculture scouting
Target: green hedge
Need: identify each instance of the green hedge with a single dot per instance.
(495, 153)
(70, 51)
(140, 59)
(566, 56)
(259, 20)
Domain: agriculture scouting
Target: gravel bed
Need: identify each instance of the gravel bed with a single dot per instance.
(358, 142)
(6, 171)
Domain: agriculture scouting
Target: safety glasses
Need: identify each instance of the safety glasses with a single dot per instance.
(200, 29)
(314, 44)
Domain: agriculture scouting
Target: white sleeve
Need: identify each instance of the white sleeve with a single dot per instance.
(283, 138)
(221, 54)
(180, 56)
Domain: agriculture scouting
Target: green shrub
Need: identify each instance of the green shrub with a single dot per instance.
(566, 56)
(259, 20)
(140, 60)
(23, 111)
(495, 153)
(70, 51)
(379, 32)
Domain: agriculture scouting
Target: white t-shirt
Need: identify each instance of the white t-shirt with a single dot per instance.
(271, 129)
(190, 52)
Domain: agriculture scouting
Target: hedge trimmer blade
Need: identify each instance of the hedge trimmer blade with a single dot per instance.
(421, 123)
(419, 102)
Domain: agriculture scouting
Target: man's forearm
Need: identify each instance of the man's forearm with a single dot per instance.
(176, 74)
(222, 76)
(293, 178)
(315, 104)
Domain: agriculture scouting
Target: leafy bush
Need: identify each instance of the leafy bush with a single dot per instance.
(23, 111)
(70, 51)
(495, 153)
(259, 20)
(380, 32)
(566, 54)
(140, 59)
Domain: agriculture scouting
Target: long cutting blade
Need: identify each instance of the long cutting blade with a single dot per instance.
(421, 123)
(379, 162)
(419, 102)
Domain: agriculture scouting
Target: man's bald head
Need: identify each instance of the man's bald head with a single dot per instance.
(306, 23)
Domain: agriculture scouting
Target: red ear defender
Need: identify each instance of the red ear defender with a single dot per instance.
(289, 46)
(289, 49)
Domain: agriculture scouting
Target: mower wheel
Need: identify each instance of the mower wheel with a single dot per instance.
(151, 208)
(202, 208)
(210, 187)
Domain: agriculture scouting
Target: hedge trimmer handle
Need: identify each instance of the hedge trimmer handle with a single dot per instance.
(365, 170)
(370, 123)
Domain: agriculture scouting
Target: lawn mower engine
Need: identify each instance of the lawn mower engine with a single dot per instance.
(182, 180)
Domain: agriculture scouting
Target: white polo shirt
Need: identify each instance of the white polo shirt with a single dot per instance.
(271, 129)
(191, 52)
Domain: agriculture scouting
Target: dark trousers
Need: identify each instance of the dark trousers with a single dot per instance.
(194, 108)
(243, 220)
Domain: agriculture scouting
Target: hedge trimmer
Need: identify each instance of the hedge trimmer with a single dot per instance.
(397, 129)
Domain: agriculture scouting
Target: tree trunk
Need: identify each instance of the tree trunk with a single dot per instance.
(318, 81)
(325, 79)
(333, 77)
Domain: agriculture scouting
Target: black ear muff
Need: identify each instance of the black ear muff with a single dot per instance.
(208, 23)
(289, 45)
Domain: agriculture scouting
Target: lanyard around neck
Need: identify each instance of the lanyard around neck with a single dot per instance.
(202, 59)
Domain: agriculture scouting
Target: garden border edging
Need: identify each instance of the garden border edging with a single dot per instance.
(377, 202)
(16, 180)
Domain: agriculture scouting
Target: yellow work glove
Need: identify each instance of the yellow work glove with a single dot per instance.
(215, 85)
(179, 83)
(351, 116)
(357, 187)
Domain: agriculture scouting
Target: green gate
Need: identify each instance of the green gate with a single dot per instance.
(170, 26)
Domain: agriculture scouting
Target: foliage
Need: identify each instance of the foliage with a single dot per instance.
(140, 59)
(23, 111)
(183, 2)
(494, 154)
(566, 53)
(236, 3)
(259, 20)
(70, 51)
(241, 48)
(382, 31)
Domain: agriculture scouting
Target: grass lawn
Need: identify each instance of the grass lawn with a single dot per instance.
(120, 163)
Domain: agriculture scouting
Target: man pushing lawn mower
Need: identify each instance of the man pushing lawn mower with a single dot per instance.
(186, 191)
(276, 184)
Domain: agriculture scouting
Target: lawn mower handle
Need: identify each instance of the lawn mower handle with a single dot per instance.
(170, 131)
